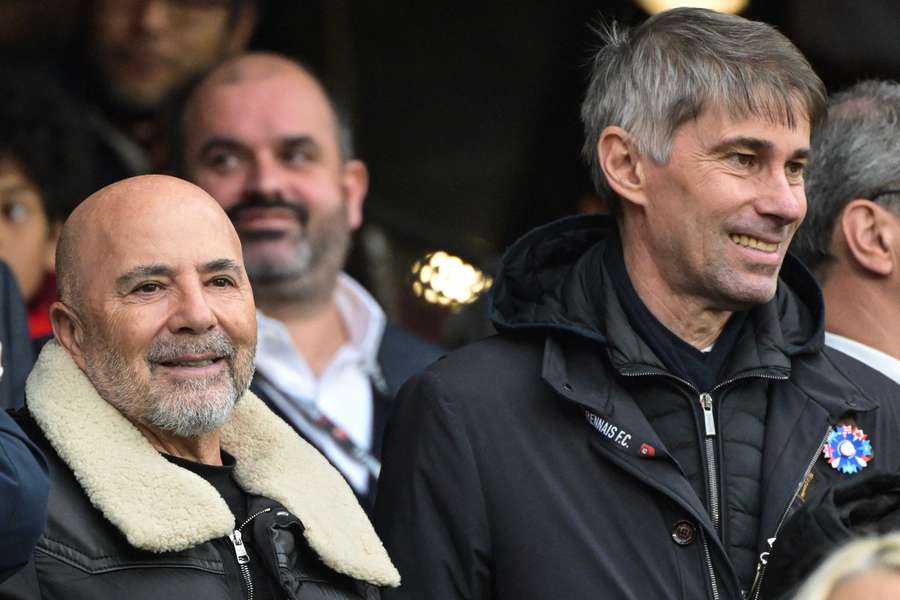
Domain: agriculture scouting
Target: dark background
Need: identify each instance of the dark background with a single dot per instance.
(467, 112)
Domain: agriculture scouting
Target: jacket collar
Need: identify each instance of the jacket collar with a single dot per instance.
(161, 507)
(553, 280)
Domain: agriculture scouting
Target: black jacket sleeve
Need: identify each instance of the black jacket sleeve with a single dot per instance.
(23, 496)
(430, 510)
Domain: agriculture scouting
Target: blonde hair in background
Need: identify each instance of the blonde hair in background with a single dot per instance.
(858, 557)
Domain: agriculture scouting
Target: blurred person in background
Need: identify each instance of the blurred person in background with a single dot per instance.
(23, 471)
(16, 355)
(44, 171)
(264, 138)
(138, 53)
(851, 236)
(866, 568)
(23, 495)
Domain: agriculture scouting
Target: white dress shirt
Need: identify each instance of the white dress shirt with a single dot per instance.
(878, 360)
(343, 391)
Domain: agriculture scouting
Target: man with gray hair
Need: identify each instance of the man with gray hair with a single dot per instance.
(851, 236)
(658, 397)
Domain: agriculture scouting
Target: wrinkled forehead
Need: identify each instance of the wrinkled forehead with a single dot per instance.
(762, 105)
(180, 234)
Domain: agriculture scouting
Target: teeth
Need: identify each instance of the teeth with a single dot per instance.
(751, 242)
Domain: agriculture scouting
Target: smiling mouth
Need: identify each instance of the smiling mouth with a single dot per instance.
(754, 243)
(199, 362)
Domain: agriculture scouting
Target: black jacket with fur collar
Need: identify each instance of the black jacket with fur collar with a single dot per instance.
(523, 467)
(126, 523)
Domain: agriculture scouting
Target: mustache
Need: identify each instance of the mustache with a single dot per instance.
(170, 349)
(254, 200)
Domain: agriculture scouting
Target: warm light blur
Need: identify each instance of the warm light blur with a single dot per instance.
(441, 278)
(725, 6)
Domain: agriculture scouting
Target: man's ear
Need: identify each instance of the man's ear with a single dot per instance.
(355, 182)
(68, 330)
(869, 235)
(622, 165)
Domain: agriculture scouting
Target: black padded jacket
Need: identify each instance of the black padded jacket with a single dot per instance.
(522, 467)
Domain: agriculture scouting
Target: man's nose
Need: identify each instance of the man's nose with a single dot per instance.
(153, 15)
(267, 177)
(192, 313)
(783, 199)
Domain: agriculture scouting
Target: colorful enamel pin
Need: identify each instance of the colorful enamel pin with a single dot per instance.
(847, 449)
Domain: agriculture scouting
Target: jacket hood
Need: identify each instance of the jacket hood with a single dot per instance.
(161, 507)
(542, 284)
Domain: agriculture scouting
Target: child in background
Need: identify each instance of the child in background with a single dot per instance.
(44, 170)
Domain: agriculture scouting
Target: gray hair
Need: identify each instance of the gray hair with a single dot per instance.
(650, 80)
(856, 558)
(855, 154)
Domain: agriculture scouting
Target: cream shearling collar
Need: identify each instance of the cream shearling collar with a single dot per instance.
(161, 507)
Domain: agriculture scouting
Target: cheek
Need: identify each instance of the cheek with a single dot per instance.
(131, 333)
(325, 198)
(236, 314)
(226, 189)
(202, 43)
(24, 249)
(245, 323)
(111, 28)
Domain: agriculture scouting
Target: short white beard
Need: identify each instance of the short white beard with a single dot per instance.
(188, 411)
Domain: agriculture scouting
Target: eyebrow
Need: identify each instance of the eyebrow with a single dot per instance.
(154, 270)
(299, 140)
(219, 265)
(15, 187)
(219, 142)
(160, 270)
(756, 145)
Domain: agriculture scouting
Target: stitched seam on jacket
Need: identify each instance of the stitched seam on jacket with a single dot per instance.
(209, 568)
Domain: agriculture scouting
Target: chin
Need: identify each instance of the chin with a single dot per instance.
(751, 295)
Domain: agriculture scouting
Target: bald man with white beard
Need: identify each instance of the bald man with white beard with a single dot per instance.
(168, 478)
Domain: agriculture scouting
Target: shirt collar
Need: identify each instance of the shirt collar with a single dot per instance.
(363, 317)
(878, 360)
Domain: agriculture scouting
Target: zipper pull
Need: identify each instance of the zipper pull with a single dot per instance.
(242, 557)
(709, 421)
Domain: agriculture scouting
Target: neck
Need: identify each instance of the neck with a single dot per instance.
(204, 448)
(862, 309)
(318, 331)
(687, 316)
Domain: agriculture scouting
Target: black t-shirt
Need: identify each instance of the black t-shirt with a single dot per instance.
(222, 478)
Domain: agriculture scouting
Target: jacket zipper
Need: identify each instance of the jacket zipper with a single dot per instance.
(712, 470)
(240, 551)
(712, 467)
(709, 566)
(709, 425)
(764, 557)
